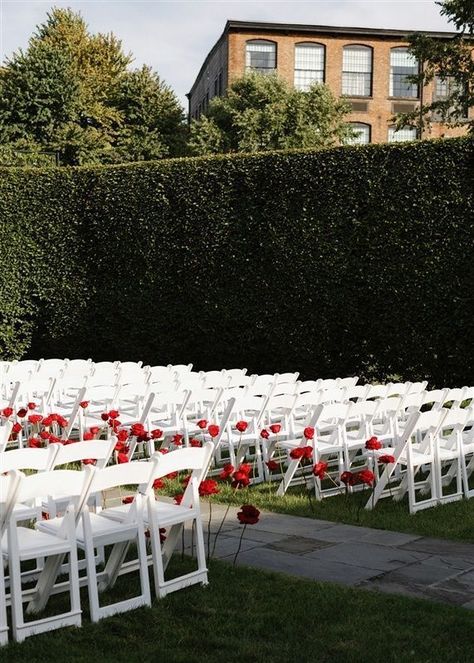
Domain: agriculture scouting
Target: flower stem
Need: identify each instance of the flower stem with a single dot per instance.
(240, 544)
(219, 530)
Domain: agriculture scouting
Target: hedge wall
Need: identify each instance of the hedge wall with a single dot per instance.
(347, 261)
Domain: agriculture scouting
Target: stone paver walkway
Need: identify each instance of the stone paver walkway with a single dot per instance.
(373, 559)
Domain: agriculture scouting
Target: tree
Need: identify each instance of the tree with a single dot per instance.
(72, 92)
(452, 62)
(265, 113)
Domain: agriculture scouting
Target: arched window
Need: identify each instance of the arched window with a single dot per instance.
(357, 71)
(401, 135)
(363, 134)
(402, 64)
(260, 55)
(309, 65)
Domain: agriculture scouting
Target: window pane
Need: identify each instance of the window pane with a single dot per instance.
(363, 134)
(357, 71)
(402, 135)
(261, 55)
(403, 64)
(309, 65)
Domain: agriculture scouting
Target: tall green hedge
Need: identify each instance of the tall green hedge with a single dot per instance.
(346, 261)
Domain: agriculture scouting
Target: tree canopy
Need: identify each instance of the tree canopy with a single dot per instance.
(262, 113)
(452, 62)
(72, 92)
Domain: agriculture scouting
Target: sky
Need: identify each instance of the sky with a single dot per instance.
(174, 36)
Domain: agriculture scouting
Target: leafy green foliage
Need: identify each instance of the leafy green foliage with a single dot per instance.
(266, 113)
(70, 92)
(451, 61)
(354, 260)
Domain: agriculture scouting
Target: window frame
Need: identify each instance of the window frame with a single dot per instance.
(343, 71)
(391, 86)
(261, 70)
(306, 44)
(362, 124)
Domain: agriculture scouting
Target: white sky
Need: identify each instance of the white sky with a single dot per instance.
(174, 36)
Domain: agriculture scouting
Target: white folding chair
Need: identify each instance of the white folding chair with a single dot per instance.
(23, 543)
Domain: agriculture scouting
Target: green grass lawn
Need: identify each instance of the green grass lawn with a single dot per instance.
(245, 615)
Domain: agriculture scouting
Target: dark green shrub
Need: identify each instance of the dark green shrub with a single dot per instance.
(346, 261)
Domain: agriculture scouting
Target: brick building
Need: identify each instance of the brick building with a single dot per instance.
(367, 66)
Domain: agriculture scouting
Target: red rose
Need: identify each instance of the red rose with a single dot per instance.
(16, 428)
(227, 471)
(7, 412)
(193, 442)
(89, 461)
(84, 404)
(171, 476)
(53, 439)
(120, 446)
(308, 433)
(297, 453)
(87, 436)
(373, 444)
(241, 426)
(248, 515)
(122, 458)
(128, 500)
(307, 452)
(348, 478)
(265, 434)
(178, 498)
(44, 435)
(146, 437)
(177, 439)
(94, 430)
(31, 406)
(137, 429)
(272, 465)
(365, 476)
(163, 451)
(275, 428)
(213, 430)
(387, 459)
(35, 418)
(114, 414)
(104, 416)
(245, 467)
(156, 434)
(48, 421)
(319, 470)
(208, 487)
(122, 435)
(22, 412)
(35, 443)
(202, 423)
(241, 479)
(158, 484)
(62, 421)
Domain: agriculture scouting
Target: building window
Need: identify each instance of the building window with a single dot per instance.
(357, 71)
(401, 135)
(402, 64)
(363, 134)
(444, 88)
(260, 56)
(309, 65)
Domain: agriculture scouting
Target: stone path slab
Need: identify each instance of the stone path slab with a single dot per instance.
(379, 560)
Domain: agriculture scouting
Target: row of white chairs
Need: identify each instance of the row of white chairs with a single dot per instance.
(78, 527)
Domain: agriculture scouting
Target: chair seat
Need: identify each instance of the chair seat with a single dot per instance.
(33, 543)
(417, 457)
(104, 530)
(168, 513)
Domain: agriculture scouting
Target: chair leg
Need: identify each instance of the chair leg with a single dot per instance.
(200, 550)
(287, 477)
(3, 609)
